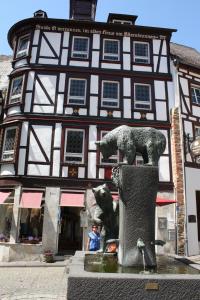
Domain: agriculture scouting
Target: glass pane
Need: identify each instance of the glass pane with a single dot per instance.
(10, 139)
(141, 49)
(111, 47)
(142, 93)
(17, 86)
(23, 44)
(110, 90)
(80, 44)
(74, 142)
(77, 88)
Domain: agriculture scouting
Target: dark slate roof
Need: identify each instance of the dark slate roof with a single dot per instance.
(185, 55)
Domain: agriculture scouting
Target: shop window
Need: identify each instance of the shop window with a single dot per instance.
(16, 90)
(111, 49)
(141, 52)
(77, 91)
(9, 144)
(74, 146)
(23, 46)
(195, 91)
(142, 99)
(110, 94)
(6, 213)
(114, 159)
(80, 47)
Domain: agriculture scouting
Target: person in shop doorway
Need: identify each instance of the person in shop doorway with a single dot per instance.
(93, 243)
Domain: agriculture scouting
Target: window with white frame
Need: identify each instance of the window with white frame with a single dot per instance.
(80, 47)
(9, 143)
(142, 99)
(141, 52)
(110, 94)
(111, 49)
(23, 46)
(77, 91)
(74, 146)
(195, 91)
(16, 90)
(114, 159)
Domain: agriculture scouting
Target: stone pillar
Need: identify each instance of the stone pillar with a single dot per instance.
(15, 219)
(50, 224)
(138, 190)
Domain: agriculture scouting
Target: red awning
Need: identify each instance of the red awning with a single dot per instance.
(31, 200)
(75, 200)
(4, 196)
(162, 201)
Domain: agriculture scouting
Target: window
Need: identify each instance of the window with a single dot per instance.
(80, 47)
(111, 49)
(6, 212)
(197, 132)
(77, 91)
(110, 94)
(23, 45)
(122, 22)
(9, 143)
(74, 146)
(195, 94)
(142, 96)
(16, 90)
(114, 159)
(141, 53)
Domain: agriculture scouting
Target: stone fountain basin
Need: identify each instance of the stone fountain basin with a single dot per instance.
(96, 286)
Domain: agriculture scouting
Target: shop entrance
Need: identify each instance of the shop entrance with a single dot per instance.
(198, 213)
(70, 237)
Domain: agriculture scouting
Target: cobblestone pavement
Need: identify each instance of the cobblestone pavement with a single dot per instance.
(33, 283)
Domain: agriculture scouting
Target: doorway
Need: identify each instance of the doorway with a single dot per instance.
(70, 236)
(198, 213)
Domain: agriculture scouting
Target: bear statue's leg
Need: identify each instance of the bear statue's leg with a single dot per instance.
(152, 154)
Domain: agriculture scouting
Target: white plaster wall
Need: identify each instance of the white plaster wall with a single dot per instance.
(164, 48)
(38, 170)
(43, 109)
(94, 84)
(57, 135)
(64, 57)
(60, 103)
(24, 134)
(66, 39)
(28, 100)
(47, 61)
(150, 116)
(81, 172)
(184, 85)
(192, 183)
(68, 110)
(196, 111)
(126, 61)
(7, 169)
(95, 59)
(83, 112)
(56, 163)
(54, 38)
(171, 94)
(161, 111)
(127, 87)
(155, 62)
(111, 66)
(92, 165)
(14, 110)
(137, 115)
(49, 83)
(188, 128)
(65, 172)
(103, 113)
(159, 87)
(163, 65)
(21, 161)
(96, 41)
(164, 172)
(126, 44)
(156, 46)
(31, 76)
(142, 68)
(36, 37)
(33, 55)
(92, 137)
(93, 106)
(117, 114)
(101, 173)
(79, 63)
(61, 86)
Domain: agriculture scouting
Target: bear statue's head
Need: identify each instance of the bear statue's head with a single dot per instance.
(105, 148)
(102, 195)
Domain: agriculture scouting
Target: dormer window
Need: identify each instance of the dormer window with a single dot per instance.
(123, 22)
(16, 90)
(141, 52)
(23, 46)
(111, 49)
(80, 47)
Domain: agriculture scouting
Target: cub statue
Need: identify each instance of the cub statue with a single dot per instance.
(147, 141)
(106, 213)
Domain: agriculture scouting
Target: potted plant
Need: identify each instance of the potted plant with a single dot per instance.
(48, 256)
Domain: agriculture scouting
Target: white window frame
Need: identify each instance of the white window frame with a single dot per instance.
(17, 97)
(8, 155)
(74, 154)
(23, 52)
(142, 102)
(76, 97)
(104, 132)
(110, 99)
(123, 22)
(135, 57)
(109, 56)
(196, 88)
(86, 53)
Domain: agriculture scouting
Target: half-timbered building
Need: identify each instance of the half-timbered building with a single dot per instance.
(73, 81)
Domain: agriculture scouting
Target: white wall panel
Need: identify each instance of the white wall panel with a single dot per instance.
(164, 48)
(96, 41)
(66, 39)
(60, 103)
(43, 109)
(7, 169)
(111, 66)
(56, 163)
(184, 85)
(156, 46)
(94, 84)
(33, 55)
(68, 110)
(77, 63)
(126, 44)
(127, 108)
(93, 106)
(65, 172)
(21, 161)
(36, 37)
(57, 135)
(83, 111)
(64, 57)
(150, 116)
(137, 115)
(103, 113)
(28, 100)
(117, 114)
(38, 170)
(159, 87)
(54, 39)
(91, 165)
(164, 171)
(24, 134)
(126, 61)
(30, 82)
(142, 68)
(163, 65)
(196, 111)
(161, 111)
(49, 83)
(95, 59)
(61, 87)
(81, 172)
(101, 173)
(155, 63)
(127, 87)
(92, 137)
(171, 94)
(47, 61)
(14, 110)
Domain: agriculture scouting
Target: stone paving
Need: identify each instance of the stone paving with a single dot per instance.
(35, 283)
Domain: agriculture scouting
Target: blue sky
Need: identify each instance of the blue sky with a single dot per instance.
(182, 15)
